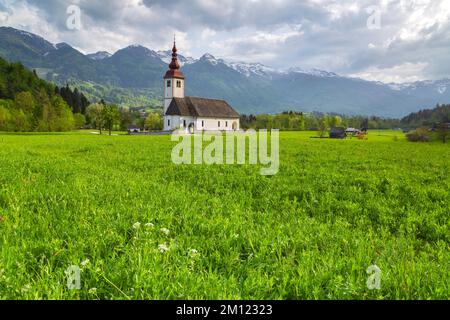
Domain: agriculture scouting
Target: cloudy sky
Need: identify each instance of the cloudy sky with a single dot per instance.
(385, 40)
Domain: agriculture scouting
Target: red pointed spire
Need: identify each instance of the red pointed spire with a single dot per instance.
(174, 66)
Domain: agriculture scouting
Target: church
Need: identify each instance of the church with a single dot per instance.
(192, 114)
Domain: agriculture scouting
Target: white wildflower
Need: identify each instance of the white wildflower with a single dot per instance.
(163, 248)
(137, 225)
(26, 288)
(85, 263)
(93, 290)
(165, 231)
(149, 225)
(193, 253)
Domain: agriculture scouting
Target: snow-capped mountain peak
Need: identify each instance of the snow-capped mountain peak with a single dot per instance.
(135, 45)
(314, 72)
(208, 56)
(166, 56)
(398, 86)
(141, 50)
(440, 86)
(100, 55)
(211, 59)
(249, 69)
(22, 33)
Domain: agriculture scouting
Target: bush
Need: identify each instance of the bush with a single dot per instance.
(419, 135)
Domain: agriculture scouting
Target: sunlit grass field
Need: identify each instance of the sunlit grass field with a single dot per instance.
(140, 227)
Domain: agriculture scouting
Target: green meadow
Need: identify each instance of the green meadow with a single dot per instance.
(140, 227)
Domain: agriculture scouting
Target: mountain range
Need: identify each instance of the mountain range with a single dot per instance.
(133, 76)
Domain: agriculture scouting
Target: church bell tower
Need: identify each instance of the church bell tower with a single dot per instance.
(173, 80)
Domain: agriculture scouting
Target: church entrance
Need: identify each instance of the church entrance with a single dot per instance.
(191, 128)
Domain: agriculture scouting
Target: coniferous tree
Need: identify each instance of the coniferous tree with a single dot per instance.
(76, 100)
(69, 96)
(84, 103)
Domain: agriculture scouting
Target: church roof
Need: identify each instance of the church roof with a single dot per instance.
(201, 107)
(174, 66)
(174, 74)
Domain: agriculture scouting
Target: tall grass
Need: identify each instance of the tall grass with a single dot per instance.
(141, 227)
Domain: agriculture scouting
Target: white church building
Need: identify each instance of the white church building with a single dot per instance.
(193, 114)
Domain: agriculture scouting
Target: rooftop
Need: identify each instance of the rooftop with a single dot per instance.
(201, 107)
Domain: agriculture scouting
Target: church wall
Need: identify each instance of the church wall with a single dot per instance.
(167, 104)
(178, 92)
(177, 122)
(213, 124)
(188, 120)
(209, 124)
(172, 92)
(174, 123)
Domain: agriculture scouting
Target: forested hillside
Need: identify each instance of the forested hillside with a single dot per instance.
(428, 117)
(28, 103)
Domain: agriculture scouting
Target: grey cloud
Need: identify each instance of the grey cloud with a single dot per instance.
(325, 34)
(233, 14)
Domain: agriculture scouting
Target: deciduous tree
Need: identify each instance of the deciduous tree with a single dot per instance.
(154, 121)
(96, 115)
(111, 116)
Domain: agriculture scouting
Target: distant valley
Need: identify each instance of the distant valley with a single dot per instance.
(133, 77)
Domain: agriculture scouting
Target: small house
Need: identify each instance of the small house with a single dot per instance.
(352, 131)
(133, 129)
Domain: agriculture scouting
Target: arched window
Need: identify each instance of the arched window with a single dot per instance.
(178, 83)
(169, 83)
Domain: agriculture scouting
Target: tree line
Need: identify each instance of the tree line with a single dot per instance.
(299, 121)
(28, 103)
(428, 117)
(315, 121)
